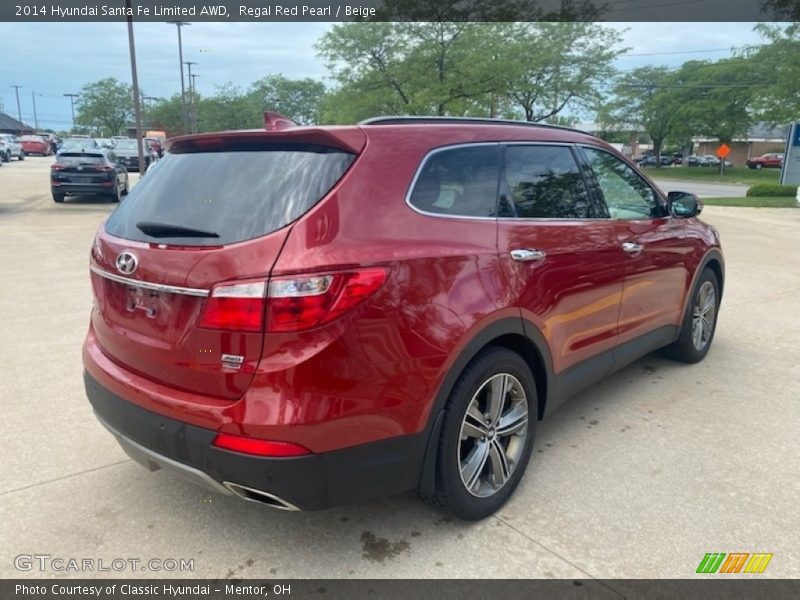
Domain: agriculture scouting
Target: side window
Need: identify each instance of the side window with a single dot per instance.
(459, 182)
(627, 195)
(545, 182)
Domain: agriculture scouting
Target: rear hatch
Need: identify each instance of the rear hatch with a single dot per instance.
(179, 270)
(83, 168)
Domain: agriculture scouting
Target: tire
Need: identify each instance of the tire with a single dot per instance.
(115, 195)
(691, 345)
(465, 452)
(58, 197)
(125, 189)
(7, 157)
(22, 156)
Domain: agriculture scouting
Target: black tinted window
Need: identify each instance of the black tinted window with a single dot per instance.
(238, 195)
(545, 182)
(459, 182)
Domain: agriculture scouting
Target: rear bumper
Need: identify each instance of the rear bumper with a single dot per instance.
(83, 188)
(310, 482)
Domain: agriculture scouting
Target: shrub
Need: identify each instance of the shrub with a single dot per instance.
(772, 190)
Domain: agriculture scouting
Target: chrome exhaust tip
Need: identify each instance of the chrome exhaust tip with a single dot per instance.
(260, 496)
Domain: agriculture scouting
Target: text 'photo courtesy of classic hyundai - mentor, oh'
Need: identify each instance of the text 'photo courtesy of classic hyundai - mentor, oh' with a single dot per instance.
(312, 316)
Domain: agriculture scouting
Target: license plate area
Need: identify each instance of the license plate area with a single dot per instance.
(143, 300)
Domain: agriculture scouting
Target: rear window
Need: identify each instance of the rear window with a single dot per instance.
(236, 194)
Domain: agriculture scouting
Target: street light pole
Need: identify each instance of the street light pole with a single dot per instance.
(189, 64)
(137, 109)
(194, 103)
(72, 105)
(19, 110)
(180, 24)
(35, 118)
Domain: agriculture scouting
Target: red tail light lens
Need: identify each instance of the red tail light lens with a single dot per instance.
(247, 445)
(297, 303)
(235, 307)
(104, 168)
(57, 167)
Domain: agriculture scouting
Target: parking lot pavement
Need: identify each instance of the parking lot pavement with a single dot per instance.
(638, 477)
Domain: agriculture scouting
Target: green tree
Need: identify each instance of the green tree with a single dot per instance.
(107, 103)
(650, 98)
(300, 100)
(778, 101)
(562, 65)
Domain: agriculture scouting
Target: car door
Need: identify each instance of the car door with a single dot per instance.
(657, 254)
(561, 257)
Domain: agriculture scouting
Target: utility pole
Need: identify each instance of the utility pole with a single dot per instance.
(189, 64)
(137, 109)
(194, 103)
(180, 24)
(19, 110)
(35, 118)
(72, 105)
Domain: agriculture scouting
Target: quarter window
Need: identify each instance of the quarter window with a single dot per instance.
(627, 195)
(459, 182)
(545, 182)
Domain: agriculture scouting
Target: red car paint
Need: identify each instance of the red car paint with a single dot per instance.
(373, 373)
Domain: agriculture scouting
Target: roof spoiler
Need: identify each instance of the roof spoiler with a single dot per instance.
(276, 122)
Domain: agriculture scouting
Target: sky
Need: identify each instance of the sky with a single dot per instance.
(52, 59)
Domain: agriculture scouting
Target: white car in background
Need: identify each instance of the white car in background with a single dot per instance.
(10, 148)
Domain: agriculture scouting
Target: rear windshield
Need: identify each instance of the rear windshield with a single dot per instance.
(75, 159)
(236, 195)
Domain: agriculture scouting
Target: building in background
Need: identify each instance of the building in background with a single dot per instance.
(761, 139)
(10, 125)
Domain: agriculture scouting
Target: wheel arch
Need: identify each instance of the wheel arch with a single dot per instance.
(514, 333)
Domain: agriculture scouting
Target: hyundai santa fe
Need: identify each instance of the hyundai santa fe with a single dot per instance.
(312, 316)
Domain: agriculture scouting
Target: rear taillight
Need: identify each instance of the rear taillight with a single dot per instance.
(302, 302)
(235, 307)
(104, 168)
(246, 445)
(57, 167)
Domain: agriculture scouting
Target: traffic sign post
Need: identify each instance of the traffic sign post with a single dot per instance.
(722, 151)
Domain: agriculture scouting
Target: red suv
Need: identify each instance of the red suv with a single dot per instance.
(773, 160)
(311, 316)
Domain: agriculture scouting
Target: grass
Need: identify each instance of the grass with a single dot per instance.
(754, 202)
(711, 174)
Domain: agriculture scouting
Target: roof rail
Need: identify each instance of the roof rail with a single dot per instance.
(417, 120)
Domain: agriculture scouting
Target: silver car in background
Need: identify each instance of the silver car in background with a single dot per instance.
(10, 148)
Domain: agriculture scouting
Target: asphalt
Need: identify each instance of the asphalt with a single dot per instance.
(639, 477)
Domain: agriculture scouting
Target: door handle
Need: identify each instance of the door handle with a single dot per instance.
(632, 247)
(527, 255)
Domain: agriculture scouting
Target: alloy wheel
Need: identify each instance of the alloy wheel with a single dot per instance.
(704, 315)
(493, 434)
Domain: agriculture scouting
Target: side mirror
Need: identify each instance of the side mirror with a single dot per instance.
(683, 205)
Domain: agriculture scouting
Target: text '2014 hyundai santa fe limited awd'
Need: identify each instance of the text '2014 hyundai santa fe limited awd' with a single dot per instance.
(311, 316)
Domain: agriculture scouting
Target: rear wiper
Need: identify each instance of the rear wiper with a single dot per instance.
(168, 230)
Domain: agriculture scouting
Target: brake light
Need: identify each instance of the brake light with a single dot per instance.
(57, 167)
(235, 307)
(247, 445)
(296, 303)
(104, 168)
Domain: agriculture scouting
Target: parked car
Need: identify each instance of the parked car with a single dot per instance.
(106, 143)
(128, 152)
(10, 148)
(650, 161)
(156, 146)
(311, 316)
(771, 160)
(34, 144)
(696, 161)
(677, 158)
(714, 161)
(51, 139)
(88, 171)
